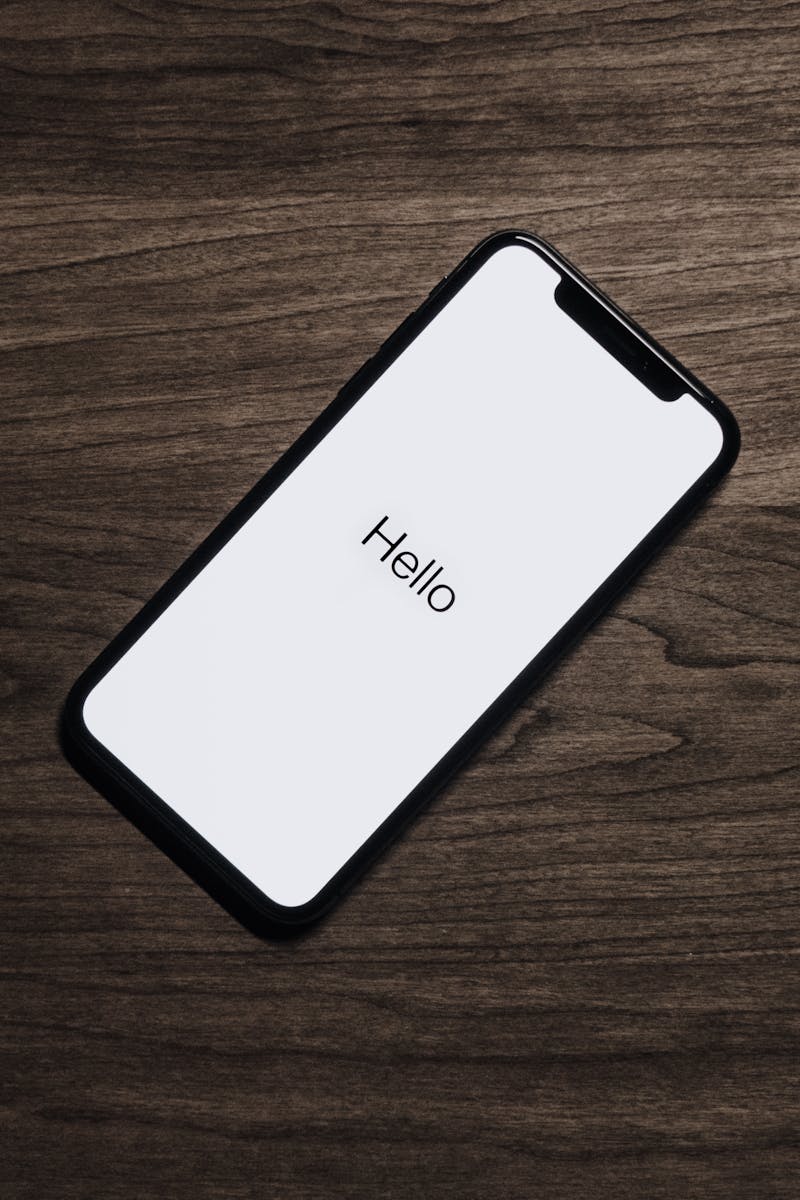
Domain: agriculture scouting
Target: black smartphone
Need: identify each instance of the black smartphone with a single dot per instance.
(471, 500)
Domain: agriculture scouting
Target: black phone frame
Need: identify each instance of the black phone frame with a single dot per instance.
(177, 837)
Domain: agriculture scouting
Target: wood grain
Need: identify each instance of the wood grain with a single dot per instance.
(578, 974)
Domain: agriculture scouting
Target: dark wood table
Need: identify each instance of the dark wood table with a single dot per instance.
(578, 974)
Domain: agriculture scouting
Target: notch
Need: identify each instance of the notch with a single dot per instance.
(620, 342)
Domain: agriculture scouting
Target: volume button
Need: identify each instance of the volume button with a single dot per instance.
(356, 379)
(437, 287)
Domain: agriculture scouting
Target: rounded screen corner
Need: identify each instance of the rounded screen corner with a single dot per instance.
(73, 719)
(731, 436)
(261, 913)
(729, 430)
(513, 236)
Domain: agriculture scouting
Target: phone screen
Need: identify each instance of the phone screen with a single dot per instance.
(400, 578)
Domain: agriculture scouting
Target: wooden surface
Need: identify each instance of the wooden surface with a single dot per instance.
(578, 974)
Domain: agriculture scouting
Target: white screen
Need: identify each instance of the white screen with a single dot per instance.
(298, 689)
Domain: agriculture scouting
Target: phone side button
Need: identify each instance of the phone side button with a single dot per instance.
(356, 379)
(437, 287)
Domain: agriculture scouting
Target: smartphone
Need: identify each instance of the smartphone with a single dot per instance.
(391, 589)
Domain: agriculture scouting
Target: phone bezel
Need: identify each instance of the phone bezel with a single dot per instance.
(177, 837)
